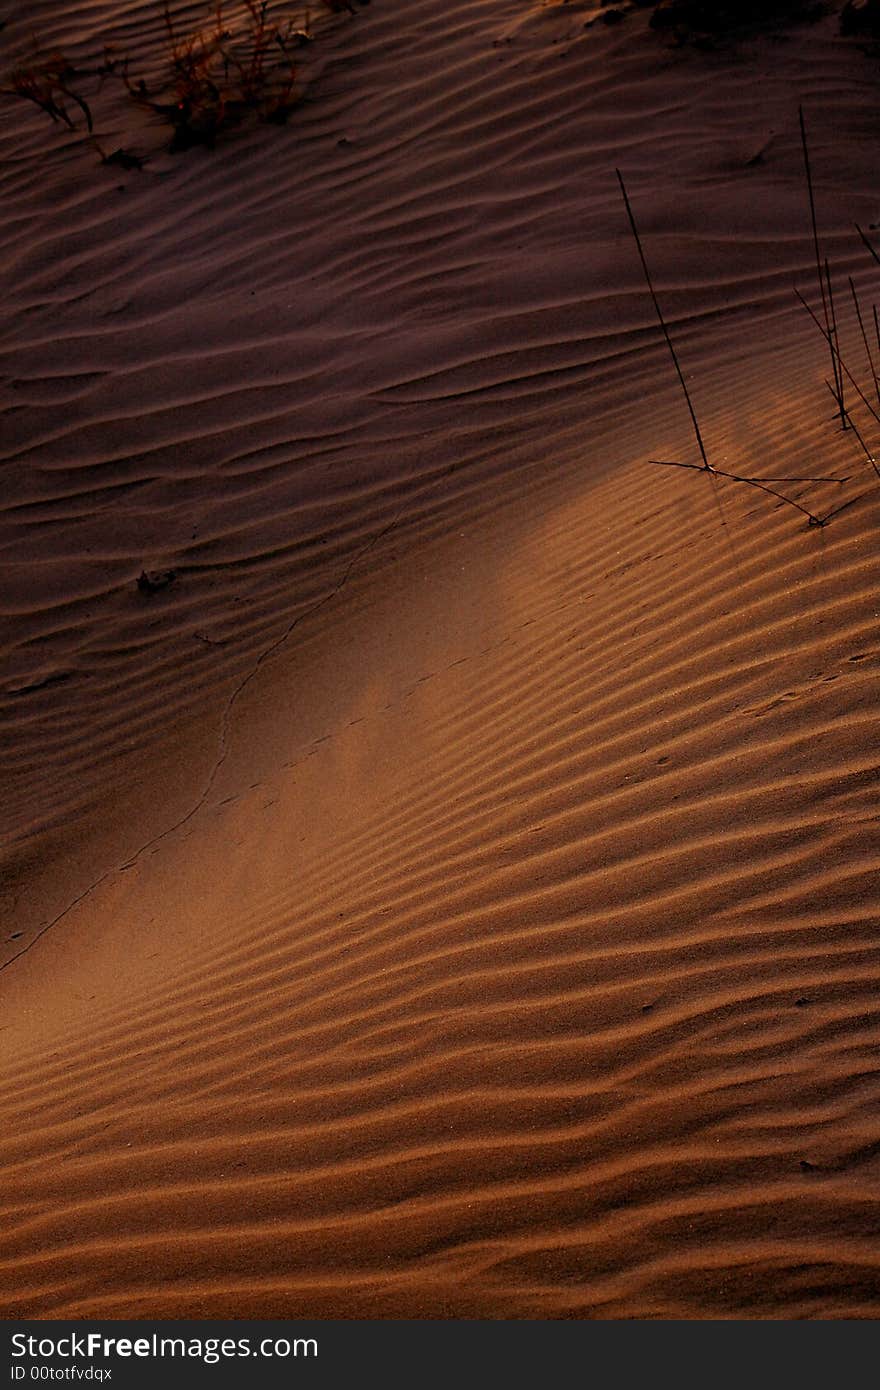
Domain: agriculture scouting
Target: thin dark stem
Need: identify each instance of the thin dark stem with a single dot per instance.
(868, 244)
(852, 379)
(835, 349)
(798, 478)
(81, 103)
(850, 502)
(855, 429)
(869, 456)
(669, 344)
(677, 463)
(870, 355)
(751, 482)
(825, 314)
(795, 479)
(168, 21)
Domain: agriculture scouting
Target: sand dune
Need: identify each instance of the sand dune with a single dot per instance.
(455, 894)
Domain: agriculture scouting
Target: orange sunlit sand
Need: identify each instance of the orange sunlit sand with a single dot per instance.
(441, 844)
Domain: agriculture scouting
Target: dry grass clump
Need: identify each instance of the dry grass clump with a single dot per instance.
(48, 85)
(240, 63)
(236, 65)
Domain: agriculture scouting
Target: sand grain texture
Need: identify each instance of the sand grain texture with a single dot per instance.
(456, 894)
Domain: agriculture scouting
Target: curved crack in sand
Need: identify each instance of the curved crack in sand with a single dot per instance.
(222, 744)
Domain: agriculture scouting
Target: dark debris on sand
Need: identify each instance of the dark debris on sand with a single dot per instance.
(153, 581)
(720, 16)
(861, 17)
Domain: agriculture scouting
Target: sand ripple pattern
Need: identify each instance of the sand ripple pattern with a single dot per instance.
(514, 949)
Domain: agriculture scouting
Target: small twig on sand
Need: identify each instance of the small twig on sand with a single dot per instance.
(669, 343)
(751, 482)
